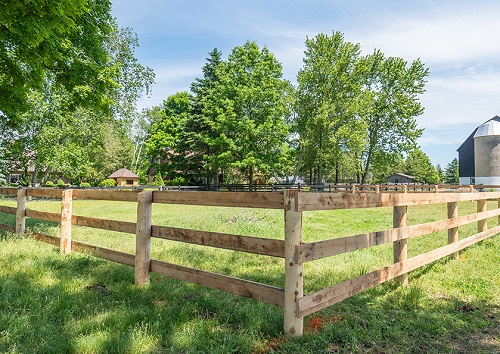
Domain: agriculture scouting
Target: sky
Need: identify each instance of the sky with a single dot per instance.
(458, 41)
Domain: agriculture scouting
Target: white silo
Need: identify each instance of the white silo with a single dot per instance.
(487, 153)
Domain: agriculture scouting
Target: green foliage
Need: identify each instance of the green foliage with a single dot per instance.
(392, 93)
(50, 184)
(177, 181)
(351, 110)
(419, 165)
(246, 111)
(329, 100)
(451, 172)
(85, 185)
(108, 182)
(63, 39)
(158, 181)
(60, 183)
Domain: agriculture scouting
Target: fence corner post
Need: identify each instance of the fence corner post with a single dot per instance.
(66, 214)
(400, 218)
(143, 237)
(294, 281)
(21, 211)
(453, 232)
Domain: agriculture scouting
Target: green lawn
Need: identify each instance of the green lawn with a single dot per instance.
(51, 303)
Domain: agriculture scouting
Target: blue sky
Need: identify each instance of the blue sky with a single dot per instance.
(459, 41)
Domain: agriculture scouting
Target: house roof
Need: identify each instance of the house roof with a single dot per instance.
(123, 173)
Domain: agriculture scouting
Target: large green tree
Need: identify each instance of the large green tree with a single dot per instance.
(168, 121)
(82, 142)
(329, 102)
(63, 38)
(419, 165)
(246, 111)
(393, 87)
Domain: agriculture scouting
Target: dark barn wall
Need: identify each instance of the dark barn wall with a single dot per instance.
(466, 157)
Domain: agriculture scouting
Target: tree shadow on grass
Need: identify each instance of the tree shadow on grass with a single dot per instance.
(78, 303)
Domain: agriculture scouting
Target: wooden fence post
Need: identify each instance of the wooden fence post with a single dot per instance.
(377, 189)
(66, 212)
(21, 211)
(482, 225)
(294, 281)
(400, 218)
(143, 237)
(453, 232)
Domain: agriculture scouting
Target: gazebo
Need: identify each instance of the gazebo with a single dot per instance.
(124, 177)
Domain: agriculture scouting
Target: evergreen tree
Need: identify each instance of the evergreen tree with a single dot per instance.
(451, 172)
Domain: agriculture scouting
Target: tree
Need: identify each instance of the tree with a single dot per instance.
(451, 172)
(440, 173)
(58, 135)
(167, 125)
(245, 110)
(419, 165)
(329, 100)
(64, 39)
(393, 87)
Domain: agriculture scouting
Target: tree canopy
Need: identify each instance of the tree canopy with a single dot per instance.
(64, 39)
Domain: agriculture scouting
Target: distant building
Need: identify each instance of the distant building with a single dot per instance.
(479, 155)
(400, 178)
(124, 177)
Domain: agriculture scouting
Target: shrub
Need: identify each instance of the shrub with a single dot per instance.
(85, 185)
(60, 183)
(109, 182)
(158, 180)
(49, 184)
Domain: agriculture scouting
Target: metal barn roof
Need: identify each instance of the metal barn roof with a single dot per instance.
(491, 127)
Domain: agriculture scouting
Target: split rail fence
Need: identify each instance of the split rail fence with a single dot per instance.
(292, 249)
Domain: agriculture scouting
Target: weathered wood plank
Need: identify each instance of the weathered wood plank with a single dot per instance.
(8, 228)
(105, 253)
(52, 240)
(344, 200)
(66, 216)
(294, 280)
(8, 191)
(257, 291)
(43, 215)
(316, 301)
(8, 210)
(104, 224)
(21, 211)
(119, 196)
(44, 192)
(400, 247)
(257, 245)
(143, 237)
(453, 232)
(269, 200)
(307, 252)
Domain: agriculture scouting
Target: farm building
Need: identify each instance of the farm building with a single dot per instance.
(400, 178)
(479, 155)
(124, 177)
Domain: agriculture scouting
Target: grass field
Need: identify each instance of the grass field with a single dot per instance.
(51, 303)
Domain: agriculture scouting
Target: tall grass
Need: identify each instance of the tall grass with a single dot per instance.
(76, 303)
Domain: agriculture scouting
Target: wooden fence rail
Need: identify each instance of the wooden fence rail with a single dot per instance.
(292, 249)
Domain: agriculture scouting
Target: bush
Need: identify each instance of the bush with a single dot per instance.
(61, 184)
(109, 182)
(85, 185)
(158, 180)
(49, 184)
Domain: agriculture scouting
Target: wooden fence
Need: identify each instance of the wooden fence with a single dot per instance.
(292, 249)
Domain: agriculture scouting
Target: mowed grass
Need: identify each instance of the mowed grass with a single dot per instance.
(52, 303)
